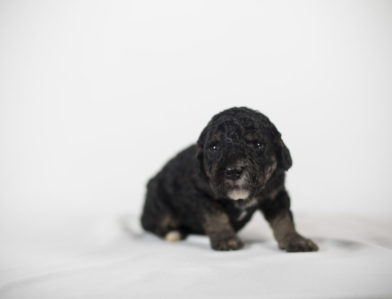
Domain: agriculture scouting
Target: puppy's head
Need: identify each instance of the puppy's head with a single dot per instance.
(239, 151)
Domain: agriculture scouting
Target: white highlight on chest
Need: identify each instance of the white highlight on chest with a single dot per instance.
(244, 208)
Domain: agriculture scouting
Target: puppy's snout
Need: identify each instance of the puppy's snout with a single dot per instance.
(233, 173)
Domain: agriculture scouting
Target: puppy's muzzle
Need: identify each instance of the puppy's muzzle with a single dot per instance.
(237, 177)
(233, 173)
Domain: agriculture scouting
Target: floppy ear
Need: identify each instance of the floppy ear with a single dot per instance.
(282, 152)
(199, 158)
(199, 151)
(283, 155)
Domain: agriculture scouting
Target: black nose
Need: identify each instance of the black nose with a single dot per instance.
(232, 173)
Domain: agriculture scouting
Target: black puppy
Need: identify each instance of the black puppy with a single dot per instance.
(237, 167)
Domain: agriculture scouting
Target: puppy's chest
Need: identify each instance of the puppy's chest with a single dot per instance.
(239, 211)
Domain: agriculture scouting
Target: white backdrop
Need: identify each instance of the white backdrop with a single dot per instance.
(97, 95)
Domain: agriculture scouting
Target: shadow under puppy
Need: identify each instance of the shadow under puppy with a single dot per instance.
(236, 168)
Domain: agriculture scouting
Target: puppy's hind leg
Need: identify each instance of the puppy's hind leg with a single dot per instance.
(164, 226)
(158, 219)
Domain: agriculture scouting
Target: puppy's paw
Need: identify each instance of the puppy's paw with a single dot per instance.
(229, 243)
(173, 236)
(297, 243)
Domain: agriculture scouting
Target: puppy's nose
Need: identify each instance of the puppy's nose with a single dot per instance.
(233, 173)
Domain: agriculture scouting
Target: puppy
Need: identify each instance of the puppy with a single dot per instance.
(213, 187)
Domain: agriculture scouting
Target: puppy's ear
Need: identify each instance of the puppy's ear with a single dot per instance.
(199, 151)
(200, 158)
(283, 154)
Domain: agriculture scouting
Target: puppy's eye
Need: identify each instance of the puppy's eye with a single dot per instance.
(213, 147)
(258, 145)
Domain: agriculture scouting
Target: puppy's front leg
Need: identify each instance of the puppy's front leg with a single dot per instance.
(287, 237)
(280, 218)
(218, 228)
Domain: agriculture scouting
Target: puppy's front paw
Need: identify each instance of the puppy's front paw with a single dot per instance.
(297, 243)
(229, 243)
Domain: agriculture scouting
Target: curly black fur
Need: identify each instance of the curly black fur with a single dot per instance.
(213, 187)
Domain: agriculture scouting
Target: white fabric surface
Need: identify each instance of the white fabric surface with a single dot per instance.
(110, 257)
